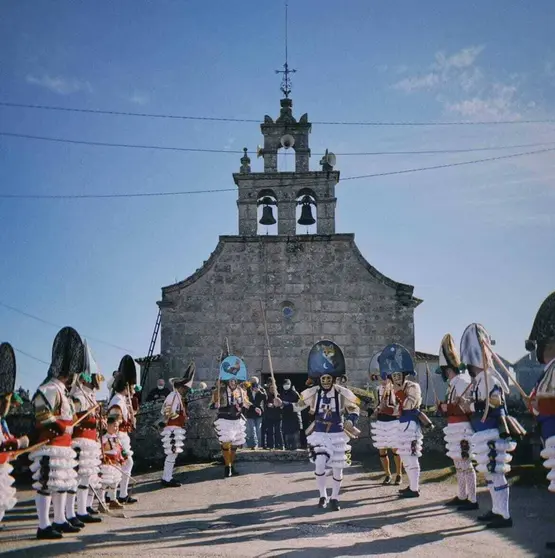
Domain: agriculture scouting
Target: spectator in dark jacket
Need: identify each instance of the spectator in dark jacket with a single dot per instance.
(291, 419)
(272, 420)
(160, 392)
(257, 396)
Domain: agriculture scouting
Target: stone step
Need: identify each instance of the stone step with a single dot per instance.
(270, 455)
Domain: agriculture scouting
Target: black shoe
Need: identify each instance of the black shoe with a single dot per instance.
(398, 480)
(170, 484)
(387, 481)
(65, 527)
(127, 500)
(550, 545)
(234, 472)
(323, 503)
(76, 522)
(489, 516)
(92, 511)
(500, 523)
(334, 505)
(468, 506)
(403, 490)
(227, 472)
(456, 501)
(49, 533)
(410, 494)
(88, 519)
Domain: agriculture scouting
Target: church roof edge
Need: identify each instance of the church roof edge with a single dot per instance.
(404, 292)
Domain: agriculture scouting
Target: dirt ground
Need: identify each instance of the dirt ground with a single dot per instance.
(270, 510)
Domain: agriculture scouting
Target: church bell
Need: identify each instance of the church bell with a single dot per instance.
(306, 217)
(267, 213)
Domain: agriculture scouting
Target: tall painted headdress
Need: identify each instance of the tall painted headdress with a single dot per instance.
(472, 340)
(7, 369)
(395, 358)
(543, 329)
(449, 354)
(374, 366)
(326, 357)
(126, 374)
(187, 379)
(233, 368)
(68, 354)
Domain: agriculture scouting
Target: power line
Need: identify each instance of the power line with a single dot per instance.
(240, 151)
(257, 121)
(31, 356)
(298, 184)
(23, 313)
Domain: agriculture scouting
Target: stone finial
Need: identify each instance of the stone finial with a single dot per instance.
(245, 162)
(286, 111)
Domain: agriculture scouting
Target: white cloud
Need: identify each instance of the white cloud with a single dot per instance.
(464, 88)
(462, 59)
(458, 67)
(410, 84)
(139, 98)
(59, 84)
(500, 102)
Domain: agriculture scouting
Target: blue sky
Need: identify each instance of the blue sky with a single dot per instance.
(475, 241)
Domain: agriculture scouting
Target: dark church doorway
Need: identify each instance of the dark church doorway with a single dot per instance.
(298, 381)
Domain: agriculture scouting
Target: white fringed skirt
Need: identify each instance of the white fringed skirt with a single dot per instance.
(53, 469)
(231, 431)
(334, 445)
(173, 439)
(491, 452)
(457, 439)
(384, 433)
(7, 490)
(408, 439)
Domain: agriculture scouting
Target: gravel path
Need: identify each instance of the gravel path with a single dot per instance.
(270, 510)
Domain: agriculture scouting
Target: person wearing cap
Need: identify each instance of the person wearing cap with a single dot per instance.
(160, 392)
(53, 464)
(257, 396)
(492, 441)
(291, 418)
(86, 443)
(542, 399)
(8, 443)
(396, 362)
(459, 431)
(335, 410)
(174, 411)
(121, 405)
(385, 426)
(113, 459)
(230, 425)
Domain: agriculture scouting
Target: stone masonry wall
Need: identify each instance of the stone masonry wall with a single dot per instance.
(333, 291)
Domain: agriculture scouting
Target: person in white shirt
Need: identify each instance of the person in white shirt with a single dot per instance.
(459, 431)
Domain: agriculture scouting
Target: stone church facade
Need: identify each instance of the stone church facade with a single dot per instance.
(312, 286)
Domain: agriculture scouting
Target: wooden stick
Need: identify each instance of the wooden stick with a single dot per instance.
(486, 369)
(496, 357)
(15, 454)
(433, 385)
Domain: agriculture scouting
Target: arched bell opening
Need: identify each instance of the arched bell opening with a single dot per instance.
(286, 154)
(267, 213)
(306, 212)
